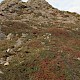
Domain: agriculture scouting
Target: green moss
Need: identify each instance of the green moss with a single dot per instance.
(47, 54)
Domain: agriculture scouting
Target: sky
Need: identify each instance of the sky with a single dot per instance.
(66, 5)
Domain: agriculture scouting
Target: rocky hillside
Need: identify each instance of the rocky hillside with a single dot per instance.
(38, 42)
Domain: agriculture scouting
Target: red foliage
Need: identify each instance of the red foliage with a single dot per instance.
(58, 32)
(44, 73)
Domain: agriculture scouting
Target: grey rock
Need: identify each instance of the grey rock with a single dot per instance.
(2, 36)
(19, 42)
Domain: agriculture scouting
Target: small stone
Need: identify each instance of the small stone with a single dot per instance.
(43, 43)
(1, 72)
(2, 61)
(19, 49)
(7, 50)
(10, 36)
(44, 35)
(75, 29)
(9, 58)
(47, 37)
(6, 64)
(60, 51)
(10, 50)
(78, 58)
(24, 35)
(17, 35)
(34, 27)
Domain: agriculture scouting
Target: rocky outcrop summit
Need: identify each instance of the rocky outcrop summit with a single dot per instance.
(38, 42)
(17, 13)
